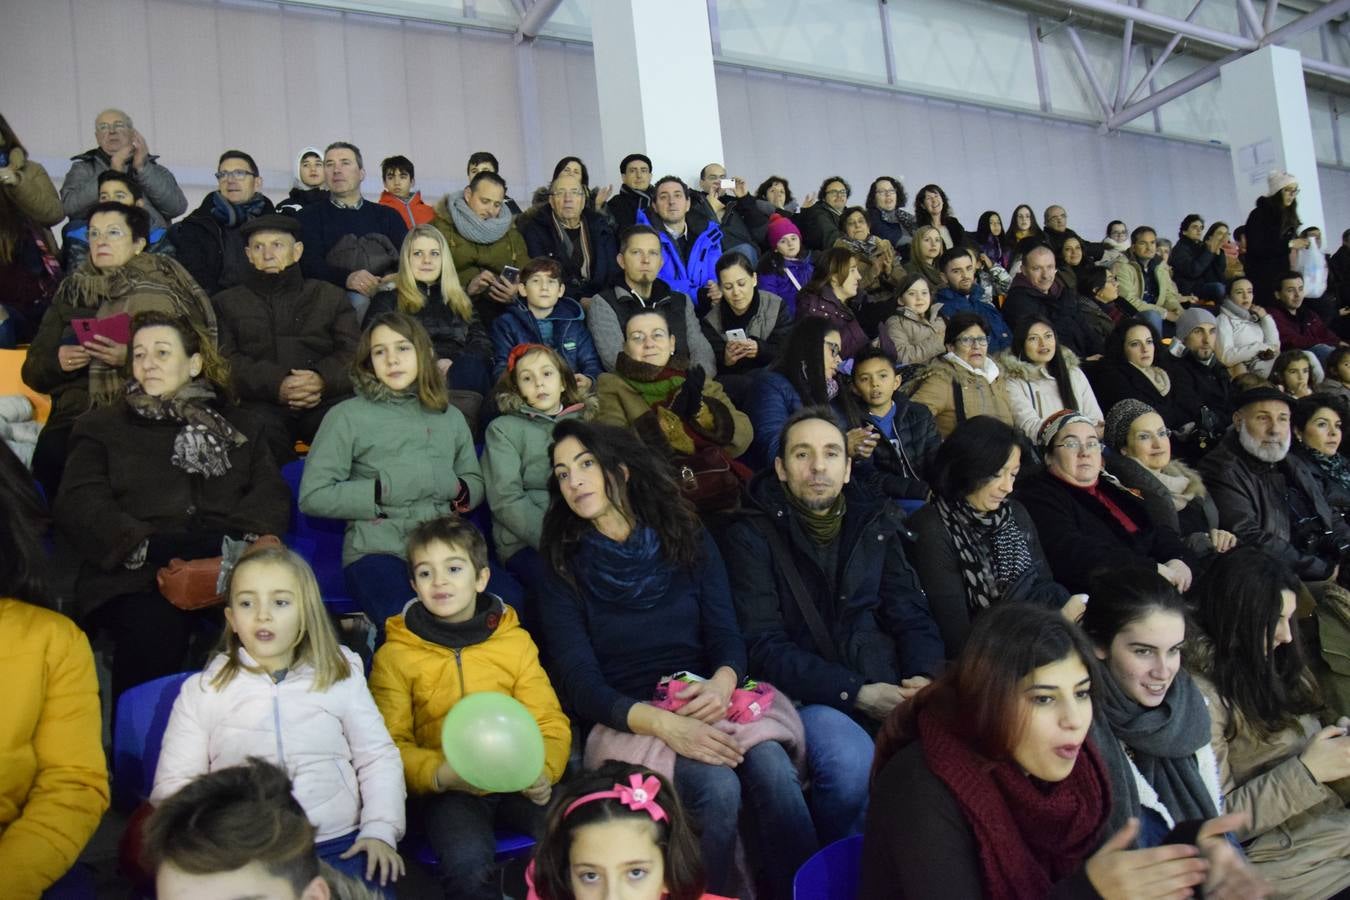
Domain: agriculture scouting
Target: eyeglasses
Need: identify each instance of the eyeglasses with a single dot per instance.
(1147, 437)
(837, 192)
(835, 350)
(638, 337)
(967, 341)
(112, 234)
(884, 193)
(570, 192)
(1073, 445)
(105, 127)
(235, 175)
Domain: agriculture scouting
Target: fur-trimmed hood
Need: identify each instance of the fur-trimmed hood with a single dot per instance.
(1024, 370)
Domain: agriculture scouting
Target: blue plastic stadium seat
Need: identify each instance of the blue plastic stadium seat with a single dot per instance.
(832, 874)
(320, 542)
(138, 733)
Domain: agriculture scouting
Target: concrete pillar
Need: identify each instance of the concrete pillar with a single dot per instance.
(1265, 105)
(654, 75)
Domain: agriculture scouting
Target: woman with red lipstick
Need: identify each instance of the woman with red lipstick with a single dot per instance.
(169, 470)
(985, 785)
(980, 545)
(1275, 759)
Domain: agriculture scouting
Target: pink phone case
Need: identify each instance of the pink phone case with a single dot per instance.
(116, 328)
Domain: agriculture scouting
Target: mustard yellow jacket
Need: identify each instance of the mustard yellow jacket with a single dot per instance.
(53, 777)
(416, 682)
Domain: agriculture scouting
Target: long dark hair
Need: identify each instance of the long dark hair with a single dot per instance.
(1011, 224)
(979, 696)
(803, 359)
(971, 456)
(1289, 220)
(762, 192)
(682, 863)
(23, 518)
(650, 496)
(988, 240)
(1057, 367)
(1115, 341)
(585, 173)
(1238, 605)
(1123, 595)
(921, 215)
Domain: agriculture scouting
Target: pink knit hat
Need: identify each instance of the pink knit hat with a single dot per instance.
(778, 226)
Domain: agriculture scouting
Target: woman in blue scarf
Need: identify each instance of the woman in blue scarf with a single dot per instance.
(640, 592)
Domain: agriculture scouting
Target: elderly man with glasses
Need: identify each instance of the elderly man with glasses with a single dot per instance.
(574, 234)
(123, 149)
(210, 242)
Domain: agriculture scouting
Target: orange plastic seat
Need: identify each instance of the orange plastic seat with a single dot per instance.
(11, 382)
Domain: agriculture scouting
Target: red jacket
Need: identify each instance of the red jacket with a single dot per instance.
(1302, 330)
(413, 210)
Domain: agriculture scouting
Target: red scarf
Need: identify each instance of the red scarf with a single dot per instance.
(1030, 834)
(1122, 518)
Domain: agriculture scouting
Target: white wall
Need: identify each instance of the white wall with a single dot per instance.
(201, 75)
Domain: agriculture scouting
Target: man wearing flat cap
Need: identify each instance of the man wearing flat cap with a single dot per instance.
(289, 339)
(1266, 496)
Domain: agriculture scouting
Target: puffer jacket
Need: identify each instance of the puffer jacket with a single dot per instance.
(1241, 335)
(419, 457)
(517, 469)
(825, 305)
(1033, 393)
(451, 334)
(1000, 334)
(164, 199)
(120, 488)
(898, 467)
(271, 324)
(53, 777)
(344, 768)
(769, 326)
(917, 339)
(416, 683)
(944, 380)
(1250, 495)
(1299, 839)
(777, 282)
(414, 210)
(1130, 286)
(571, 338)
(688, 275)
(1194, 265)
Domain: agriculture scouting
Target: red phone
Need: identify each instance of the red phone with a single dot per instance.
(116, 328)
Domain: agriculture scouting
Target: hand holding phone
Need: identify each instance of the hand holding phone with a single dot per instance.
(510, 274)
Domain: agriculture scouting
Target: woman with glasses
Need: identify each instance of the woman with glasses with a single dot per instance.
(1133, 369)
(1086, 519)
(673, 406)
(886, 213)
(1173, 493)
(805, 375)
(89, 368)
(964, 382)
(819, 222)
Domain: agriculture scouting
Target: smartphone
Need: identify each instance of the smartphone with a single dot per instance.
(728, 184)
(4, 157)
(116, 328)
(510, 274)
(736, 334)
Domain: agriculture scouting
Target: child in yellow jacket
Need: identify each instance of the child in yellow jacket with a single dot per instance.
(453, 640)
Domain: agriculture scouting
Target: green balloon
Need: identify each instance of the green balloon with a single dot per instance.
(493, 742)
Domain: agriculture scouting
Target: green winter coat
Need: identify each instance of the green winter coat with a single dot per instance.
(419, 457)
(517, 469)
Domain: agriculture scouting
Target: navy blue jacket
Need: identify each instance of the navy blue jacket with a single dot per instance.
(609, 656)
(1000, 335)
(875, 610)
(571, 338)
(323, 225)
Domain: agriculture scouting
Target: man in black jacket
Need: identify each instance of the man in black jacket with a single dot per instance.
(636, 192)
(832, 612)
(1267, 497)
(1195, 360)
(1036, 291)
(290, 340)
(210, 242)
(578, 237)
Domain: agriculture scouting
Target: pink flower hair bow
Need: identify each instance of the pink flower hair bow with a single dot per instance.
(639, 796)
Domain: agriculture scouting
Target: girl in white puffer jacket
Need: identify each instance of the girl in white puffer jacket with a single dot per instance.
(1246, 335)
(284, 690)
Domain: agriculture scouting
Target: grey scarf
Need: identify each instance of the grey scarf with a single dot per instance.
(480, 231)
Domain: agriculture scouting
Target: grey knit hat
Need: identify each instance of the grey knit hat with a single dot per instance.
(1120, 417)
(1192, 319)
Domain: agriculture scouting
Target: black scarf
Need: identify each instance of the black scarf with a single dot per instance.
(993, 551)
(487, 615)
(232, 215)
(202, 446)
(1162, 740)
(577, 253)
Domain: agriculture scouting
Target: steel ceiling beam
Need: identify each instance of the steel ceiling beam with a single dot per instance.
(1158, 63)
(535, 18)
(1126, 53)
(1093, 81)
(1248, 14)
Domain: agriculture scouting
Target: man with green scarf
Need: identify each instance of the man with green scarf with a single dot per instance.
(832, 612)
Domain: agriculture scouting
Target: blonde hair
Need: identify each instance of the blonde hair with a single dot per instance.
(317, 643)
(410, 296)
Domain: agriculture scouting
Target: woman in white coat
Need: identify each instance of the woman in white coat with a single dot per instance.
(1044, 378)
(1246, 339)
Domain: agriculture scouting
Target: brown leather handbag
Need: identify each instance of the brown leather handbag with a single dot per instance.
(708, 479)
(195, 583)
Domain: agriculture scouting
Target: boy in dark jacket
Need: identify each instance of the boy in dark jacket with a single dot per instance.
(543, 315)
(902, 437)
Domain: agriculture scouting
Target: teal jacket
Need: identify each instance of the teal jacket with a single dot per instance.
(516, 468)
(418, 455)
